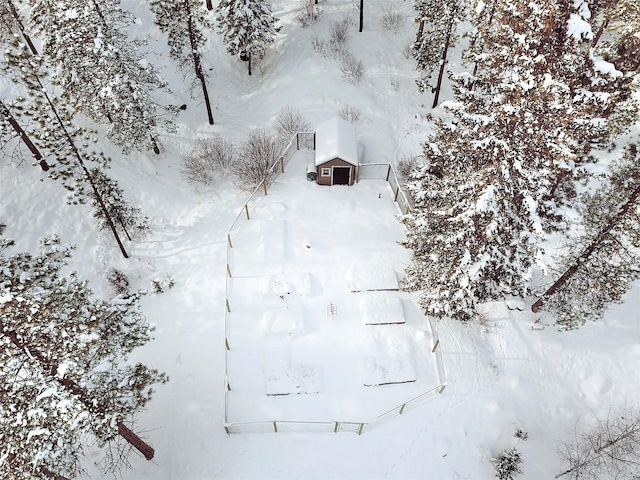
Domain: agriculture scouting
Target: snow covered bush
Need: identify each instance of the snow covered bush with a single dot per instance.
(507, 464)
(209, 156)
(352, 68)
(118, 282)
(256, 157)
(308, 13)
(339, 34)
(392, 20)
(406, 165)
(289, 122)
(349, 113)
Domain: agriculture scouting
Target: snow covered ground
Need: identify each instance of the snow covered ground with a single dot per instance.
(513, 371)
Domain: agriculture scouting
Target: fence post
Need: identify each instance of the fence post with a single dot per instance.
(402, 408)
(297, 140)
(360, 428)
(314, 140)
(358, 174)
(246, 209)
(395, 195)
(388, 173)
(442, 389)
(275, 427)
(264, 185)
(335, 428)
(229, 241)
(282, 164)
(228, 307)
(226, 343)
(435, 345)
(229, 271)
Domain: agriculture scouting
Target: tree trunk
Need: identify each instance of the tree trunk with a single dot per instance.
(51, 367)
(24, 137)
(134, 440)
(596, 39)
(197, 65)
(588, 251)
(361, 15)
(72, 144)
(249, 62)
(209, 5)
(443, 63)
(420, 31)
(49, 474)
(27, 39)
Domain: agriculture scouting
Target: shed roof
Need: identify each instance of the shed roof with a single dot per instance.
(336, 138)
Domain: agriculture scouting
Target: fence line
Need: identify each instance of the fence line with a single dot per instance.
(299, 141)
(386, 171)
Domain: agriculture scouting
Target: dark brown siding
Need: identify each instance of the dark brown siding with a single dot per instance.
(336, 162)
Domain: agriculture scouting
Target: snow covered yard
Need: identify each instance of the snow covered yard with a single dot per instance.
(317, 276)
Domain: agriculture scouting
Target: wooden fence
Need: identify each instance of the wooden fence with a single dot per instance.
(306, 140)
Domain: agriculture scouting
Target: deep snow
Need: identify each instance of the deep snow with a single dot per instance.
(507, 373)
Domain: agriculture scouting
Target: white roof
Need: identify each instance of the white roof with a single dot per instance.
(336, 138)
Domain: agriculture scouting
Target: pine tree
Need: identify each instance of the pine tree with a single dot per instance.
(121, 211)
(186, 23)
(501, 171)
(247, 27)
(604, 260)
(57, 136)
(104, 74)
(430, 49)
(11, 22)
(64, 379)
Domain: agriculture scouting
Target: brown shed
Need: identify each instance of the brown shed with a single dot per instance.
(336, 152)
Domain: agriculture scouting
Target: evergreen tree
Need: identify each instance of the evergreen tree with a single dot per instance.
(186, 23)
(247, 27)
(430, 49)
(500, 173)
(604, 260)
(11, 23)
(58, 138)
(64, 379)
(103, 73)
(121, 212)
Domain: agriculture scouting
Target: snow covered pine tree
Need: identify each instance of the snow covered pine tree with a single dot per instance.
(55, 135)
(499, 173)
(247, 27)
(185, 23)
(431, 47)
(602, 262)
(65, 384)
(103, 73)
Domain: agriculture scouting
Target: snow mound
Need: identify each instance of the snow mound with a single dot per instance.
(377, 310)
(372, 277)
(391, 363)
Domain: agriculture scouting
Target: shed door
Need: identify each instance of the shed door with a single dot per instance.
(341, 175)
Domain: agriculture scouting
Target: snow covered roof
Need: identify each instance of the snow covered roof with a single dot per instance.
(336, 138)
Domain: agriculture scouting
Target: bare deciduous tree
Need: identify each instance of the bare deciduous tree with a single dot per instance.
(256, 157)
(608, 449)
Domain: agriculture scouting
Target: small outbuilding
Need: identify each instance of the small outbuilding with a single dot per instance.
(336, 153)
